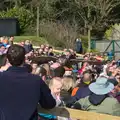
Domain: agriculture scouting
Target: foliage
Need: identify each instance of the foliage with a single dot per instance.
(108, 33)
(84, 42)
(113, 32)
(59, 34)
(23, 15)
(94, 51)
(96, 15)
(64, 20)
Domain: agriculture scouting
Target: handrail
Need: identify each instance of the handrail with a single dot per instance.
(77, 114)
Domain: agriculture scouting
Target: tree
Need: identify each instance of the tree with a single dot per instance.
(93, 15)
(13, 3)
(24, 16)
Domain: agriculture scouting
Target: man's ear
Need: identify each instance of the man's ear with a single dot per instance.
(43, 78)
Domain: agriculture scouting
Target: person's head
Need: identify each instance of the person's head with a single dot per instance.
(47, 68)
(36, 53)
(68, 53)
(40, 51)
(27, 42)
(62, 60)
(87, 76)
(112, 70)
(5, 41)
(16, 55)
(1, 39)
(68, 83)
(2, 48)
(50, 49)
(46, 49)
(41, 72)
(65, 50)
(58, 72)
(42, 46)
(118, 88)
(55, 85)
(102, 86)
(118, 76)
(115, 83)
(34, 67)
(11, 38)
(86, 58)
(72, 51)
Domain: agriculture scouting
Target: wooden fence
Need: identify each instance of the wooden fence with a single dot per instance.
(77, 114)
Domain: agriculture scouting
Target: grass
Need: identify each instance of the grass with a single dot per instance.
(35, 40)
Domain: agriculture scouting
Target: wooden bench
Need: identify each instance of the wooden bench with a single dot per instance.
(77, 114)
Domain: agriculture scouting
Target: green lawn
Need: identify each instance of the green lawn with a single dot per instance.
(35, 40)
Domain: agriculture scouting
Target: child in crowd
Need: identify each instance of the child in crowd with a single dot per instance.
(56, 85)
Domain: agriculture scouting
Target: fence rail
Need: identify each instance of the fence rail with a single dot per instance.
(77, 114)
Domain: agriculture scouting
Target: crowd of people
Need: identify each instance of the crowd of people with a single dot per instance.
(29, 78)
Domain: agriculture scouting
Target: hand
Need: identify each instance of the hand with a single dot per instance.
(115, 72)
(4, 68)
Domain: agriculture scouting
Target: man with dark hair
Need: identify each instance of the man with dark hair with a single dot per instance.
(20, 91)
(16, 55)
(58, 72)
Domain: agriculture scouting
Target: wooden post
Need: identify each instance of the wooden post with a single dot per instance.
(89, 39)
(89, 28)
(38, 16)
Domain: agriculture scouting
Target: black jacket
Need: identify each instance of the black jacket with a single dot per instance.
(20, 93)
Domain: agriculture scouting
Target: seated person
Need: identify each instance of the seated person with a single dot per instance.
(83, 89)
(116, 91)
(99, 99)
(56, 85)
(68, 85)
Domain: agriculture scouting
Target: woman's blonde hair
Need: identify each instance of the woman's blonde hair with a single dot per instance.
(53, 80)
(68, 83)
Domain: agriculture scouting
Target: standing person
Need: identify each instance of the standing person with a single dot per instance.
(50, 52)
(78, 46)
(110, 55)
(11, 39)
(20, 90)
(28, 46)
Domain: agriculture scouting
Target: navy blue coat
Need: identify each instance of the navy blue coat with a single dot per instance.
(28, 48)
(78, 47)
(81, 93)
(20, 93)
